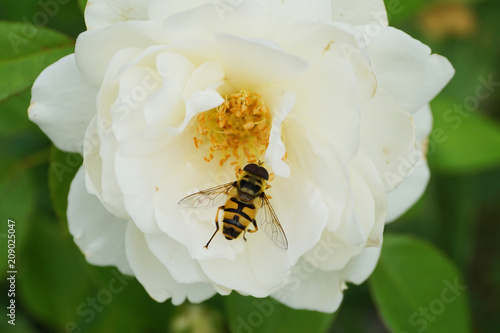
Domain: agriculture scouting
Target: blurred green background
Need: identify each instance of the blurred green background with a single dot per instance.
(451, 237)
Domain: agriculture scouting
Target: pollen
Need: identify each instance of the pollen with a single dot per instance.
(236, 131)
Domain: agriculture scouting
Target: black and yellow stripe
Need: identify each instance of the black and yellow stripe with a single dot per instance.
(237, 216)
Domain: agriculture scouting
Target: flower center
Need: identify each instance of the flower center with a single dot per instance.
(237, 129)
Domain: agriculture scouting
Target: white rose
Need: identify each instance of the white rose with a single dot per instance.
(344, 135)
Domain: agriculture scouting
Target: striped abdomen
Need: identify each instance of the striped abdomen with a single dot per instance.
(237, 216)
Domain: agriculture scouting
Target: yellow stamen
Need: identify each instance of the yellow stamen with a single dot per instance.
(237, 129)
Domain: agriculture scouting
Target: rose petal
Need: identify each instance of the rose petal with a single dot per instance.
(332, 42)
(368, 172)
(359, 12)
(276, 149)
(409, 191)
(155, 278)
(284, 12)
(175, 257)
(138, 181)
(354, 231)
(423, 122)
(92, 160)
(244, 18)
(235, 274)
(363, 221)
(62, 104)
(295, 213)
(331, 253)
(111, 193)
(249, 64)
(328, 172)
(327, 103)
(130, 121)
(361, 267)
(405, 67)
(159, 10)
(102, 13)
(166, 105)
(99, 234)
(200, 94)
(302, 291)
(388, 138)
(95, 48)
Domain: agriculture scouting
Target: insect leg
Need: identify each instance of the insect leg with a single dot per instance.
(216, 225)
(251, 230)
(255, 226)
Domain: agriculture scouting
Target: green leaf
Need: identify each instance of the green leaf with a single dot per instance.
(248, 314)
(417, 289)
(119, 303)
(23, 323)
(457, 198)
(51, 279)
(462, 140)
(19, 187)
(62, 170)
(14, 116)
(26, 51)
(17, 204)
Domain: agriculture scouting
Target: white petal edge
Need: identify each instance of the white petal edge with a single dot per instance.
(358, 12)
(155, 278)
(102, 13)
(284, 12)
(405, 67)
(250, 63)
(99, 234)
(276, 149)
(388, 138)
(423, 122)
(200, 94)
(362, 266)
(63, 103)
(413, 187)
(243, 18)
(175, 257)
(95, 48)
(328, 104)
(313, 289)
(159, 10)
(409, 191)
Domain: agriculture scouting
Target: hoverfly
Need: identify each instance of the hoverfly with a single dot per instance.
(240, 209)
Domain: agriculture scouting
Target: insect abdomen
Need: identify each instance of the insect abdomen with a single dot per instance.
(237, 216)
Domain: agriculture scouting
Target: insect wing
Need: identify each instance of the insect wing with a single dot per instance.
(207, 198)
(270, 224)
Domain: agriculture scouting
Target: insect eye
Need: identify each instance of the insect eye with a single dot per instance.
(258, 170)
(251, 168)
(263, 173)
